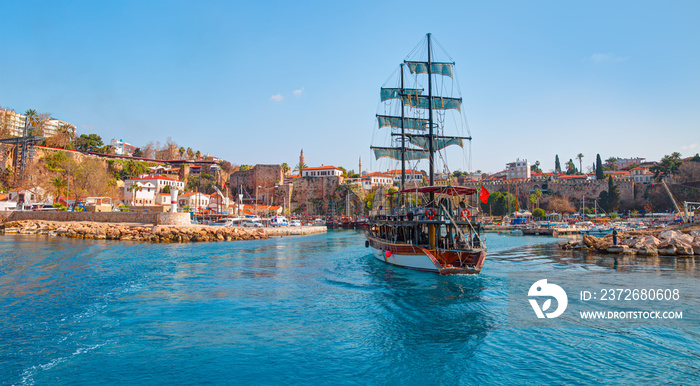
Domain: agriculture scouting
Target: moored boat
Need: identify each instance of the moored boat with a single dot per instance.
(428, 228)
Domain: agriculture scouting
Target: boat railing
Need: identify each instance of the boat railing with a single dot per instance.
(418, 213)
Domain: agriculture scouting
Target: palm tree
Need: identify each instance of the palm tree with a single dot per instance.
(299, 167)
(285, 168)
(190, 153)
(182, 152)
(32, 117)
(580, 164)
(133, 189)
(58, 186)
(198, 154)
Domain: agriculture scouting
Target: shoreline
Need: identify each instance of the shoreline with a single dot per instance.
(148, 232)
(679, 240)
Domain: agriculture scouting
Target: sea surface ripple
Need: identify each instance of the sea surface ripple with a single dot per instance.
(311, 309)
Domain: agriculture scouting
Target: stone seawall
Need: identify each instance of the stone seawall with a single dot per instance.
(102, 217)
(150, 233)
(123, 232)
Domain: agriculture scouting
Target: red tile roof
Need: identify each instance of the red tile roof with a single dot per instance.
(408, 171)
(153, 178)
(377, 174)
(323, 168)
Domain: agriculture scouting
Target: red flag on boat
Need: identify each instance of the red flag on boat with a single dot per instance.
(484, 195)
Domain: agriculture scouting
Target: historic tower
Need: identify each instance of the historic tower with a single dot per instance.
(301, 161)
(359, 171)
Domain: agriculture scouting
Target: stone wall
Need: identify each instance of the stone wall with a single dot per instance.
(109, 217)
(265, 176)
(313, 195)
(573, 189)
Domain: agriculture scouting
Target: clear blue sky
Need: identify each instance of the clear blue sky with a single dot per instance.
(538, 78)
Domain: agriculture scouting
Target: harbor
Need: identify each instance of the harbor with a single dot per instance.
(137, 312)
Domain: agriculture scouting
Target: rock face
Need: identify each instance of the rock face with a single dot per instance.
(155, 234)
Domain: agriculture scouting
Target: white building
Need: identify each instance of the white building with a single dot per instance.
(641, 175)
(150, 186)
(518, 169)
(122, 148)
(322, 171)
(143, 195)
(371, 180)
(159, 181)
(194, 201)
(411, 175)
(15, 124)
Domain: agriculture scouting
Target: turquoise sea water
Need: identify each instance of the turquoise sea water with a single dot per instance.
(314, 309)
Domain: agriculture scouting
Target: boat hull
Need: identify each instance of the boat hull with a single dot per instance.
(442, 261)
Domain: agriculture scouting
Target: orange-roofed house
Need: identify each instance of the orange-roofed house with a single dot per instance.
(371, 180)
(193, 200)
(411, 175)
(322, 171)
(642, 175)
(617, 174)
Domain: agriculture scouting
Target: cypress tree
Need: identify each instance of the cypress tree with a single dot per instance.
(599, 175)
(557, 165)
(613, 195)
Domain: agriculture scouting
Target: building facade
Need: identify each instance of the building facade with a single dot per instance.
(322, 171)
(518, 169)
(122, 148)
(642, 175)
(13, 123)
(372, 180)
(194, 201)
(624, 163)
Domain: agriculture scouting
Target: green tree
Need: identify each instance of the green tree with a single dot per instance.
(539, 213)
(58, 186)
(285, 168)
(535, 197)
(669, 165)
(535, 168)
(299, 167)
(557, 165)
(90, 142)
(610, 200)
(696, 157)
(599, 175)
(580, 162)
(32, 117)
(244, 167)
(611, 163)
(570, 167)
(133, 189)
(138, 153)
(500, 204)
(182, 152)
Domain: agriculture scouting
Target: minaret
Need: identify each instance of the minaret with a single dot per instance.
(360, 170)
(301, 161)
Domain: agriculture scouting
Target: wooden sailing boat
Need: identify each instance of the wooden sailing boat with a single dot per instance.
(437, 235)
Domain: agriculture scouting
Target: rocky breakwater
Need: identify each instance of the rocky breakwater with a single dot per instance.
(137, 232)
(672, 242)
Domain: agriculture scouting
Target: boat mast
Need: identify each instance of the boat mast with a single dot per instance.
(430, 121)
(403, 138)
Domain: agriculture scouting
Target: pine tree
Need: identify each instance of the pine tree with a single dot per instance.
(557, 165)
(599, 175)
